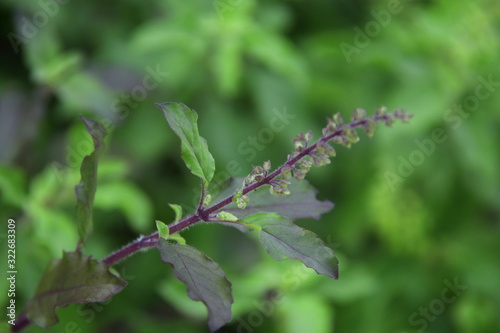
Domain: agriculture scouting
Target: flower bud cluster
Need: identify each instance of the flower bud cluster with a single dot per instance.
(279, 187)
(258, 173)
(318, 156)
(340, 133)
(401, 115)
(240, 200)
(301, 141)
(307, 154)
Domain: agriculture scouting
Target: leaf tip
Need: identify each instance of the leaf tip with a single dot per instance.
(96, 130)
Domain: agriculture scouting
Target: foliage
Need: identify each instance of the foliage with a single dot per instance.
(204, 279)
(85, 191)
(184, 122)
(72, 279)
(410, 211)
(79, 279)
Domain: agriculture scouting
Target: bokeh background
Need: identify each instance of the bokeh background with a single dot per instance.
(417, 208)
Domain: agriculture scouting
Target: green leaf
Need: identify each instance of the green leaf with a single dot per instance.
(178, 211)
(178, 238)
(284, 240)
(163, 230)
(85, 190)
(300, 203)
(75, 278)
(194, 148)
(204, 279)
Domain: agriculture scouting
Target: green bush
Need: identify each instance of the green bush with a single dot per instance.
(416, 209)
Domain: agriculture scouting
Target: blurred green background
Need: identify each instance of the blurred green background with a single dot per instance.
(417, 208)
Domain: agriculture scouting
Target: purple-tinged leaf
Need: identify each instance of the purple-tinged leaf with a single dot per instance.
(75, 278)
(85, 190)
(204, 279)
(300, 203)
(284, 240)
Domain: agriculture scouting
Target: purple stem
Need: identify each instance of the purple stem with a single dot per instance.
(202, 213)
(150, 240)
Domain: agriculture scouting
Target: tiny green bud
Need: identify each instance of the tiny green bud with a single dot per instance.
(258, 173)
(325, 148)
(305, 164)
(338, 139)
(331, 151)
(299, 174)
(272, 190)
(249, 179)
(381, 111)
(370, 128)
(286, 172)
(358, 114)
(207, 200)
(321, 160)
(225, 216)
(338, 118)
(258, 170)
(319, 148)
(163, 230)
(279, 189)
(267, 165)
(341, 140)
(298, 146)
(237, 195)
(164, 233)
(300, 137)
(242, 201)
(331, 126)
(351, 135)
(308, 136)
(259, 178)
